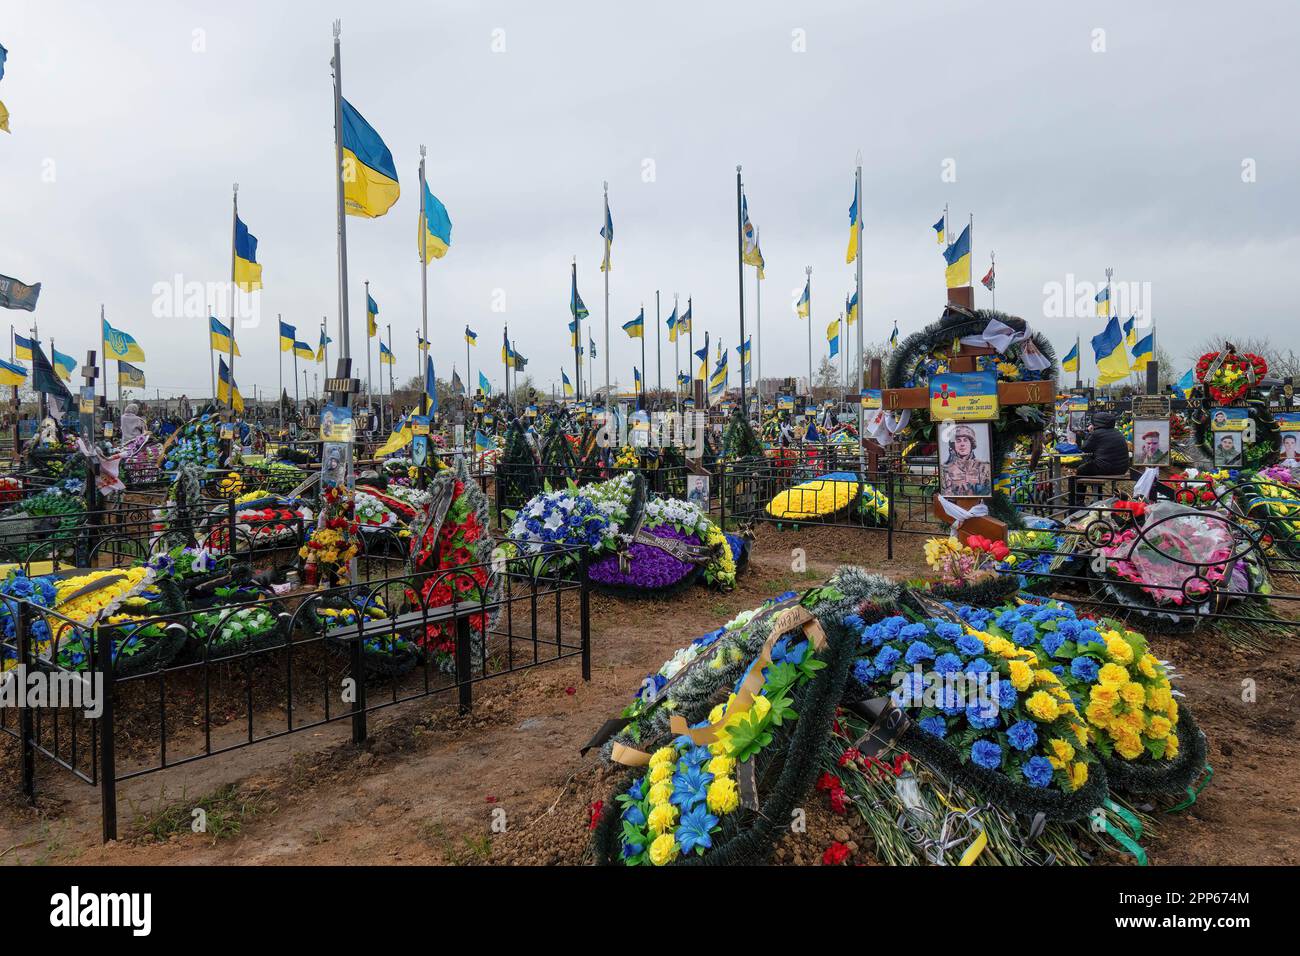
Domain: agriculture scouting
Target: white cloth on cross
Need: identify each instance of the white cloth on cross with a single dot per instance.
(958, 514)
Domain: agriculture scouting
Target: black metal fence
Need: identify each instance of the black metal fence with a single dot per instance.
(330, 655)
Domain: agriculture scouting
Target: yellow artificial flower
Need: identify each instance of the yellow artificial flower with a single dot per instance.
(1171, 746)
(723, 797)
(1159, 727)
(662, 818)
(760, 707)
(1044, 676)
(1118, 648)
(1112, 674)
(721, 766)
(1147, 665)
(1021, 675)
(661, 772)
(1129, 746)
(1133, 694)
(660, 793)
(1043, 706)
(663, 755)
(664, 849)
(1079, 775)
(1061, 748)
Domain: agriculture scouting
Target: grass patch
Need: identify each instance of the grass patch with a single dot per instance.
(224, 813)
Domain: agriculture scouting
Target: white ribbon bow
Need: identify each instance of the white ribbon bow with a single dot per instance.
(958, 514)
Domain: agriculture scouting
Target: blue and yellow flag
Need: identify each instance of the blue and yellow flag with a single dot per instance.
(23, 348)
(430, 384)
(1144, 351)
(607, 233)
(484, 385)
(744, 352)
(684, 322)
(288, 335)
(11, 374)
(576, 308)
(248, 271)
(369, 177)
(1108, 351)
(1102, 299)
(750, 254)
(507, 353)
(471, 337)
(303, 351)
(421, 342)
(324, 341)
(219, 336)
(372, 311)
(398, 439)
(672, 325)
(893, 337)
(1130, 331)
(386, 356)
(63, 364)
(1186, 383)
(938, 229)
(851, 307)
(703, 356)
(481, 441)
(957, 274)
(568, 386)
(435, 228)
(573, 334)
(119, 345)
(130, 376)
(636, 376)
(852, 252)
(636, 328)
(224, 387)
(804, 305)
(718, 381)
(1071, 361)
(833, 337)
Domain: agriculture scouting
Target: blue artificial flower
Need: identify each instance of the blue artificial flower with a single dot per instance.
(892, 625)
(1069, 629)
(637, 790)
(854, 622)
(978, 665)
(1089, 636)
(986, 754)
(1024, 634)
(693, 829)
(886, 658)
(1008, 619)
(696, 756)
(1037, 771)
(976, 717)
(1023, 735)
(948, 631)
(947, 663)
(782, 652)
(634, 815)
(1007, 695)
(913, 631)
(919, 651)
(690, 786)
(1052, 642)
(1084, 668)
(970, 645)
(632, 849)
(863, 672)
(934, 726)
(910, 691)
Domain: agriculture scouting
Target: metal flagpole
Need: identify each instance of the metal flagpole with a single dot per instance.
(233, 290)
(424, 286)
(844, 353)
(345, 342)
(392, 412)
(659, 365)
(690, 347)
(644, 376)
(279, 365)
(677, 359)
(758, 332)
(577, 334)
(469, 372)
(607, 271)
(862, 313)
(993, 273)
(740, 272)
(212, 362)
(369, 388)
(808, 271)
(295, 383)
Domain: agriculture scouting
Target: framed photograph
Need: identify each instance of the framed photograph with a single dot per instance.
(1227, 449)
(965, 469)
(1151, 442)
(1288, 424)
(697, 491)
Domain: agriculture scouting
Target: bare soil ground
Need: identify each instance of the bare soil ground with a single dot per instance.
(506, 784)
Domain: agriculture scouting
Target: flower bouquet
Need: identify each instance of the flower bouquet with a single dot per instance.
(128, 604)
(329, 551)
(646, 567)
(238, 620)
(1229, 374)
(38, 591)
(372, 513)
(42, 527)
(385, 654)
(968, 570)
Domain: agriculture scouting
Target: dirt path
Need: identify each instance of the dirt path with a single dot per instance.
(506, 784)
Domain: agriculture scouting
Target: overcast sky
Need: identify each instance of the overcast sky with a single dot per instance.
(129, 127)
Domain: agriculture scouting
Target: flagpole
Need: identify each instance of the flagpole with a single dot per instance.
(677, 359)
(345, 341)
(577, 333)
(690, 347)
(295, 384)
(279, 370)
(234, 223)
(643, 368)
(862, 313)
(607, 270)
(424, 285)
(994, 277)
(844, 352)
(369, 387)
(469, 372)
(740, 273)
(808, 270)
(102, 320)
(1078, 362)
(758, 332)
(392, 402)
(659, 351)
(212, 363)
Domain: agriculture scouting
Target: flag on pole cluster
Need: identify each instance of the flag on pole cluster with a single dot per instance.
(852, 252)
(1144, 351)
(744, 352)
(430, 384)
(372, 312)
(386, 356)
(435, 228)
(11, 374)
(684, 320)
(1186, 383)
(248, 271)
(672, 325)
(369, 177)
(224, 385)
(893, 337)
(750, 253)
(989, 281)
(507, 353)
(303, 351)
(219, 336)
(576, 307)
(457, 385)
(957, 256)
(18, 295)
(119, 345)
(481, 441)
(568, 386)
(1102, 299)
(636, 328)
(592, 344)
(1108, 351)
(1130, 331)
(718, 381)
(703, 356)
(1071, 361)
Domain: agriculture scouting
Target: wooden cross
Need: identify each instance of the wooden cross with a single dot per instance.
(963, 358)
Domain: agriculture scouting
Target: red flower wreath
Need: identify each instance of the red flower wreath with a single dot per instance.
(1223, 392)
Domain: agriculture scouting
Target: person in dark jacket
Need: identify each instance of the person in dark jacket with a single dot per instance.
(1105, 450)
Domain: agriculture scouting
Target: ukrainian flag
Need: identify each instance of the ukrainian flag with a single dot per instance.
(11, 374)
(372, 310)
(303, 351)
(1071, 361)
(129, 375)
(1186, 383)
(1102, 299)
(1143, 352)
(435, 228)
(852, 252)
(369, 176)
(938, 230)
(636, 376)
(744, 351)
(833, 337)
(324, 341)
(386, 356)
(703, 356)
(672, 325)
(1130, 331)
(851, 307)
(63, 364)
(119, 345)
(399, 438)
(576, 307)
(568, 386)
(958, 258)
(893, 337)
(484, 385)
(219, 336)
(224, 387)
(421, 342)
(1108, 352)
(718, 381)
(683, 379)
(804, 305)
(23, 348)
(481, 441)
(248, 271)
(684, 323)
(430, 384)
(750, 254)
(636, 328)
(573, 334)
(471, 337)
(288, 335)
(607, 233)
(507, 353)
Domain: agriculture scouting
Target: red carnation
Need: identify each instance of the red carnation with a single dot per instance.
(835, 854)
